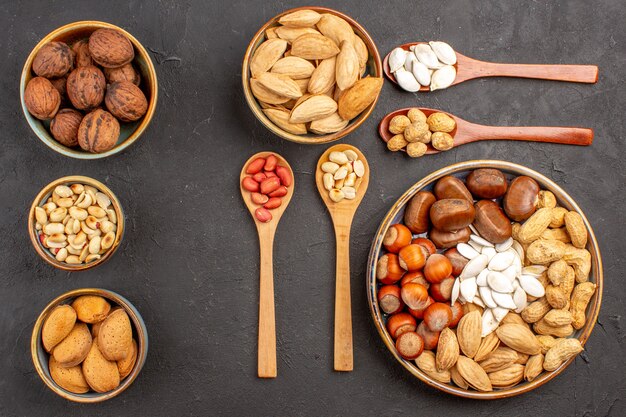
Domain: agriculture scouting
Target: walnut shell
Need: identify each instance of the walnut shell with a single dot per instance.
(60, 85)
(81, 50)
(64, 126)
(124, 73)
(98, 132)
(126, 101)
(86, 87)
(53, 60)
(41, 98)
(110, 48)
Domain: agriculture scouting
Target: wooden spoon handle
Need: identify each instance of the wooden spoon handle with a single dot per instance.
(562, 135)
(343, 310)
(267, 320)
(572, 73)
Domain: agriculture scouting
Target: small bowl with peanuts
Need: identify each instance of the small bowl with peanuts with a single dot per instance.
(75, 223)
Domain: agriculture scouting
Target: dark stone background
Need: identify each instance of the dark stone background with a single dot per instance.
(189, 260)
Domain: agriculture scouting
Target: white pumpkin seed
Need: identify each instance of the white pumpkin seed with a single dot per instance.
(501, 261)
(501, 247)
(444, 52)
(489, 251)
(411, 59)
(467, 251)
(455, 290)
(532, 286)
(499, 282)
(475, 266)
(534, 270)
(421, 73)
(442, 78)
(519, 298)
(427, 56)
(397, 59)
(499, 313)
(481, 279)
(485, 294)
(488, 323)
(468, 289)
(503, 300)
(407, 81)
(479, 240)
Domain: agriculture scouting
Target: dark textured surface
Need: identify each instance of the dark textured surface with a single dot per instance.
(189, 260)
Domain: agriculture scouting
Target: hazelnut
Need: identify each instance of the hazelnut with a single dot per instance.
(416, 149)
(442, 141)
(41, 98)
(53, 60)
(124, 73)
(126, 101)
(398, 124)
(86, 87)
(417, 132)
(64, 126)
(81, 50)
(441, 122)
(110, 48)
(98, 131)
(416, 115)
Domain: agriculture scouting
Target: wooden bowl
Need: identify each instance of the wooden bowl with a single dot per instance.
(374, 68)
(129, 132)
(40, 200)
(396, 214)
(40, 356)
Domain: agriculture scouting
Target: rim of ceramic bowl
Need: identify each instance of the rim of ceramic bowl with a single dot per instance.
(509, 168)
(39, 354)
(39, 201)
(37, 125)
(374, 65)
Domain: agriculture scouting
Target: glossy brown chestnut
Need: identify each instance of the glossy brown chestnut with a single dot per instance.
(457, 260)
(389, 299)
(417, 213)
(451, 214)
(491, 222)
(520, 201)
(444, 240)
(400, 323)
(486, 183)
(452, 187)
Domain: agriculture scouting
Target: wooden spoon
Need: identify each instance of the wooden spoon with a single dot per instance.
(468, 68)
(342, 214)
(466, 132)
(266, 231)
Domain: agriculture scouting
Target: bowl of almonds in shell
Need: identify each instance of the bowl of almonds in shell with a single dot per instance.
(312, 75)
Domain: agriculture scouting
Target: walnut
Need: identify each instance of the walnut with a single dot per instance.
(64, 126)
(126, 101)
(60, 85)
(41, 98)
(441, 122)
(98, 132)
(81, 50)
(124, 73)
(53, 60)
(110, 48)
(86, 87)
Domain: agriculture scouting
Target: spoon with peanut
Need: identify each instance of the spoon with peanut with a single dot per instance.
(342, 205)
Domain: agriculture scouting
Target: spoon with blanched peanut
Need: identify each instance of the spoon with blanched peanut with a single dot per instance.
(342, 177)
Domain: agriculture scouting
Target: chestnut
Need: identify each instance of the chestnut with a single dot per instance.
(457, 260)
(414, 295)
(491, 222)
(389, 299)
(419, 313)
(486, 183)
(397, 237)
(416, 277)
(412, 257)
(417, 212)
(430, 338)
(442, 291)
(521, 199)
(457, 313)
(451, 214)
(437, 268)
(388, 270)
(410, 345)
(437, 316)
(452, 187)
(400, 323)
(446, 240)
(426, 244)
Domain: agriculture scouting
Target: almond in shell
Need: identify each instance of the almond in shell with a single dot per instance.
(294, 67)
(533, 367)
(314, 108)
(468, 333)
(281, 119)
(457, 378)
(314, 46)
(500, 358)
(323, 77)
(265, 95)
(519, 337)
(70, 379)
(475, 376)
(361, 51)
(356, 99)
(91, 308)
(57, 326)
(347, 67)
(488, 344)
(266, 56)
(426, 362)
(73, 349)
(300, 18)
(335, 28)
(280, 85)
(125, 366)
(447, 350)
(507, 377)
(115, 337)
(290, 34)
(330, 124)
(101, 374)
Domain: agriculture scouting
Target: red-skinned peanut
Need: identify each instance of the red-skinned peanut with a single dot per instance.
(270, 163)
(255, 166)
(273, 203)
(263, 215)
(270, 184)
(280, 192)
(258, 198)
(285, 175)
(249, 184)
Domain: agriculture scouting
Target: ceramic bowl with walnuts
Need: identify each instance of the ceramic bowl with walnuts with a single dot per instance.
(88, 89)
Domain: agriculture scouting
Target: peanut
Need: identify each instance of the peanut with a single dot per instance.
(543, 252)
(558, 318)
(546, 199)
(556, 297)
(562, 351)
(559, 234)
(542, 327)
(576, 228)
(580, 260)
(536, 310)
(546, 341)
(580, 299)
(536, 224)
(557, 271)
(558, 217)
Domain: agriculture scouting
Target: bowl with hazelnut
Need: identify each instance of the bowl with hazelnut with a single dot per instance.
(494, 274)
(89, 345)
(312, 75)
(88, 90)
(76, 223)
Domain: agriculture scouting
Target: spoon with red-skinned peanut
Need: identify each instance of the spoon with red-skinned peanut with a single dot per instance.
(266, 184)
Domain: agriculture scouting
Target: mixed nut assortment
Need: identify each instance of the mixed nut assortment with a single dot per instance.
(72, 83)
(498, 274)
(342, 175)
(77, 224)
(414, 130)
(307, 75)
(267, 182)
(90, 343)
(429, 65)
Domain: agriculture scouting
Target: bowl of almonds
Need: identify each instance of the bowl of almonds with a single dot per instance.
(312, 75)
(76, 223)
(485, 279)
